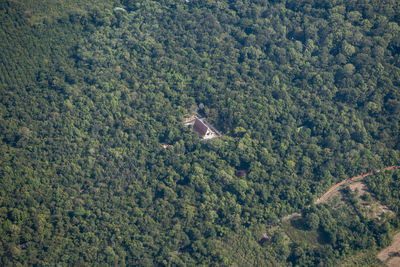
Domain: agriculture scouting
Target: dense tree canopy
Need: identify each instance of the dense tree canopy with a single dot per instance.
(306, 93)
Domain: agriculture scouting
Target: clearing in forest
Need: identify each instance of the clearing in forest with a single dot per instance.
(391, 255)
(296, 231)
(374, 209)
(362, 258)
(370, 206)
(351, 180)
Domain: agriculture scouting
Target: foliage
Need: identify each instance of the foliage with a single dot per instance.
(306, 94)
(386, 187)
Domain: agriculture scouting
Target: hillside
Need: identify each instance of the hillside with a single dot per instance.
(305, 93)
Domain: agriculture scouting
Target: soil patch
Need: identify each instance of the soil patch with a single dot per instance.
(393, 262)
(360, 186)
(290, 216)
(391, 254)
(378, 210)
(374, 209)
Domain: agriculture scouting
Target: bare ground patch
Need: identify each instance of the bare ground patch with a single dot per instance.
(290, 216)
(391, 255)
(393, 262)
(374, 209)
(371, 207)
(378, 210)
(360, 186)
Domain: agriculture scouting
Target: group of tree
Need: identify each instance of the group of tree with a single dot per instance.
(306, 94)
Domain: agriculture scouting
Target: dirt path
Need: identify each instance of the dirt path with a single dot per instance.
(337, 186)
(391, 254)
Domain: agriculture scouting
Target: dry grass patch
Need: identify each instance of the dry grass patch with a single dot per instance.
(360, 186)
(365, 258)
(373, 208)
(393, 262)
(38, 10)
(391, 255)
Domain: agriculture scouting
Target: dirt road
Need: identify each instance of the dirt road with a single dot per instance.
(337, 186)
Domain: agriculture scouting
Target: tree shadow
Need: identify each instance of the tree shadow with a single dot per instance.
(298, 223)
(323, 238)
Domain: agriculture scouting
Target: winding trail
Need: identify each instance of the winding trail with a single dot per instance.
(337, 186)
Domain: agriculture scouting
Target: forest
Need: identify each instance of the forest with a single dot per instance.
(306, 93)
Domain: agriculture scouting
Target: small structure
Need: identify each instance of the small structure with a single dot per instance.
(202, 129)
(165, 146)
(240, 173)
(119, 9)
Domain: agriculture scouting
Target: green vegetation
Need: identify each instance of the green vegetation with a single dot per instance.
(297, 231)
(364, 258)
(306, 94)
(386, 188)
(338, 229)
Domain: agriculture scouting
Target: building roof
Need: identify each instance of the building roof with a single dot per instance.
(200, 127)
(240, 173)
